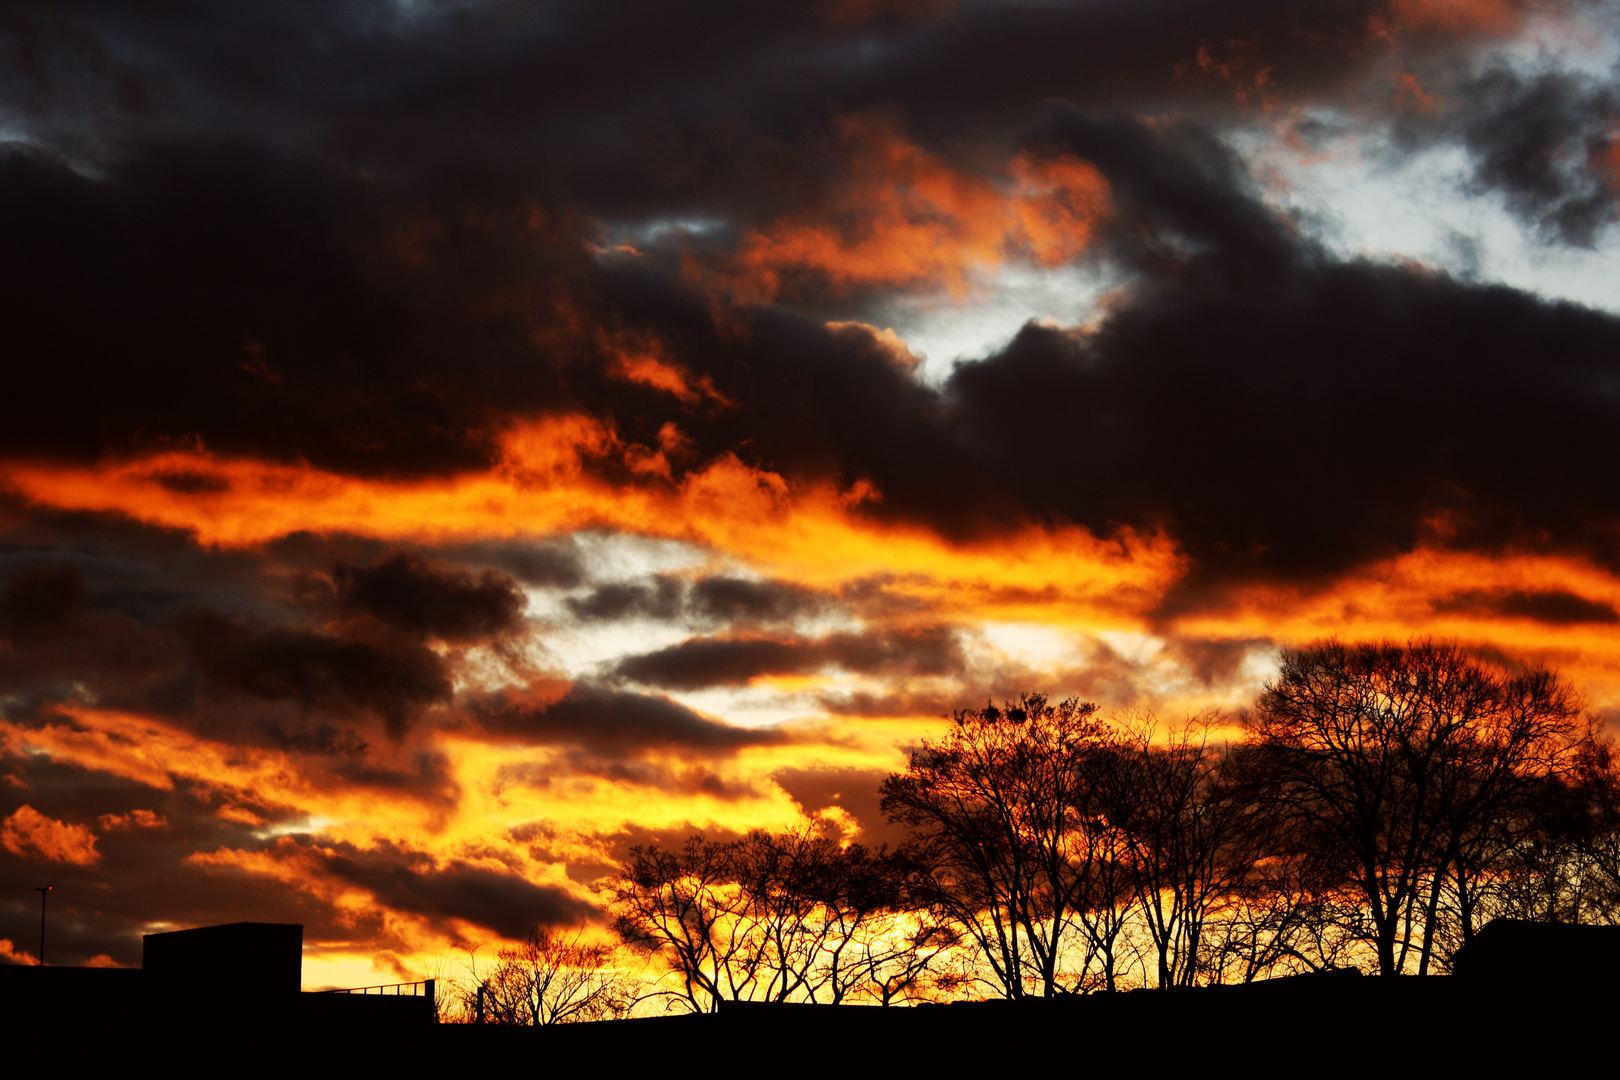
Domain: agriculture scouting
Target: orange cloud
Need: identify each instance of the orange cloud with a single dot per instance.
(138, 819)
(1557, 610)
(650, 371)
(1410, 94)
(299, 868)
(13, 955)
(1236, 64)
(505, 790)
(1452, 16)
(152, 753)
(641, 358)
(812, 533)
(902, 216)
(32, 835)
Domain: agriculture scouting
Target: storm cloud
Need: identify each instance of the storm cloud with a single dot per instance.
(433, 425)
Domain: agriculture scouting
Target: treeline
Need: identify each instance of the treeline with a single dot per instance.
(1375, 808)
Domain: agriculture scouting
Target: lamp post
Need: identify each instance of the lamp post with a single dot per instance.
(44, 891)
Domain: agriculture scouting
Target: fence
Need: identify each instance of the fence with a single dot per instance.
(422, 988)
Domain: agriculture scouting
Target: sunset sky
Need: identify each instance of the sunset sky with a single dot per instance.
(447, 443)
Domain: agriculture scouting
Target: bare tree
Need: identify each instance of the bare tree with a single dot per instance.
(993, 813)
(1181, 825)
(786, 916)
(688, 907)
(556, 978)
(1284, 917)
(885, 946)
(1594, 830)
(1562, 861)
(1388, 758)
(899, 956)
(809, 900)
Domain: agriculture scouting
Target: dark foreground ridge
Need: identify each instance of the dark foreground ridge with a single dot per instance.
(226, 998)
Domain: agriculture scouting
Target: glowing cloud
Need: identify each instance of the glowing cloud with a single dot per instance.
(31, 834)
(902, 216)
(812, 533)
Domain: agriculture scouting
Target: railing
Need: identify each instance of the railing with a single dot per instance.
(423, 988)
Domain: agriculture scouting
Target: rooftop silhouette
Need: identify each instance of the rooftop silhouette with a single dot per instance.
(221, 996)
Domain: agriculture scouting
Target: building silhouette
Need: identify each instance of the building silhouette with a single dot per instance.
(227, 999)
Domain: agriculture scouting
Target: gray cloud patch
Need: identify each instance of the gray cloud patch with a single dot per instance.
(410, 881)
(615, 722)
(393, 679)
(701, 662)
(1555, 607)
(658, 599)
(433, 600)
(1538, 138)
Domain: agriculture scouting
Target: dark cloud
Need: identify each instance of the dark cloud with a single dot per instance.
(263, 303)
(1216, 662)
(555, 565)
(412, 881)
(293, 266)
(659, 599)
(425, 776)
(718, 600)
(392, 679)
(58, 644)
(420, 597)
(1540, 139)
(1555, 607)
(637, 106)
(1181, 195)
(615, 723)
(40, 598)
(702, 662)
(1283, 413)
(366, 237)
(865, 704)
(1280, 412)
(739, 600)
(852, 790)
(142, 572)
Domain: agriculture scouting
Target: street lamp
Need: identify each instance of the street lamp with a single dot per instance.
(44, 891)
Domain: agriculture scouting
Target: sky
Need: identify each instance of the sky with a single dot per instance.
(447, 443)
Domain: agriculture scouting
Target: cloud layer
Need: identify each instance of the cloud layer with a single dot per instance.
(448, 443)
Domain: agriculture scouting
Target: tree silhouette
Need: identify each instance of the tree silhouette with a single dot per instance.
(997, 810)
(1384, 802)
(687, 906)
(1183, 829)
(1391, 763)
(785, 916)
(556, 978)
